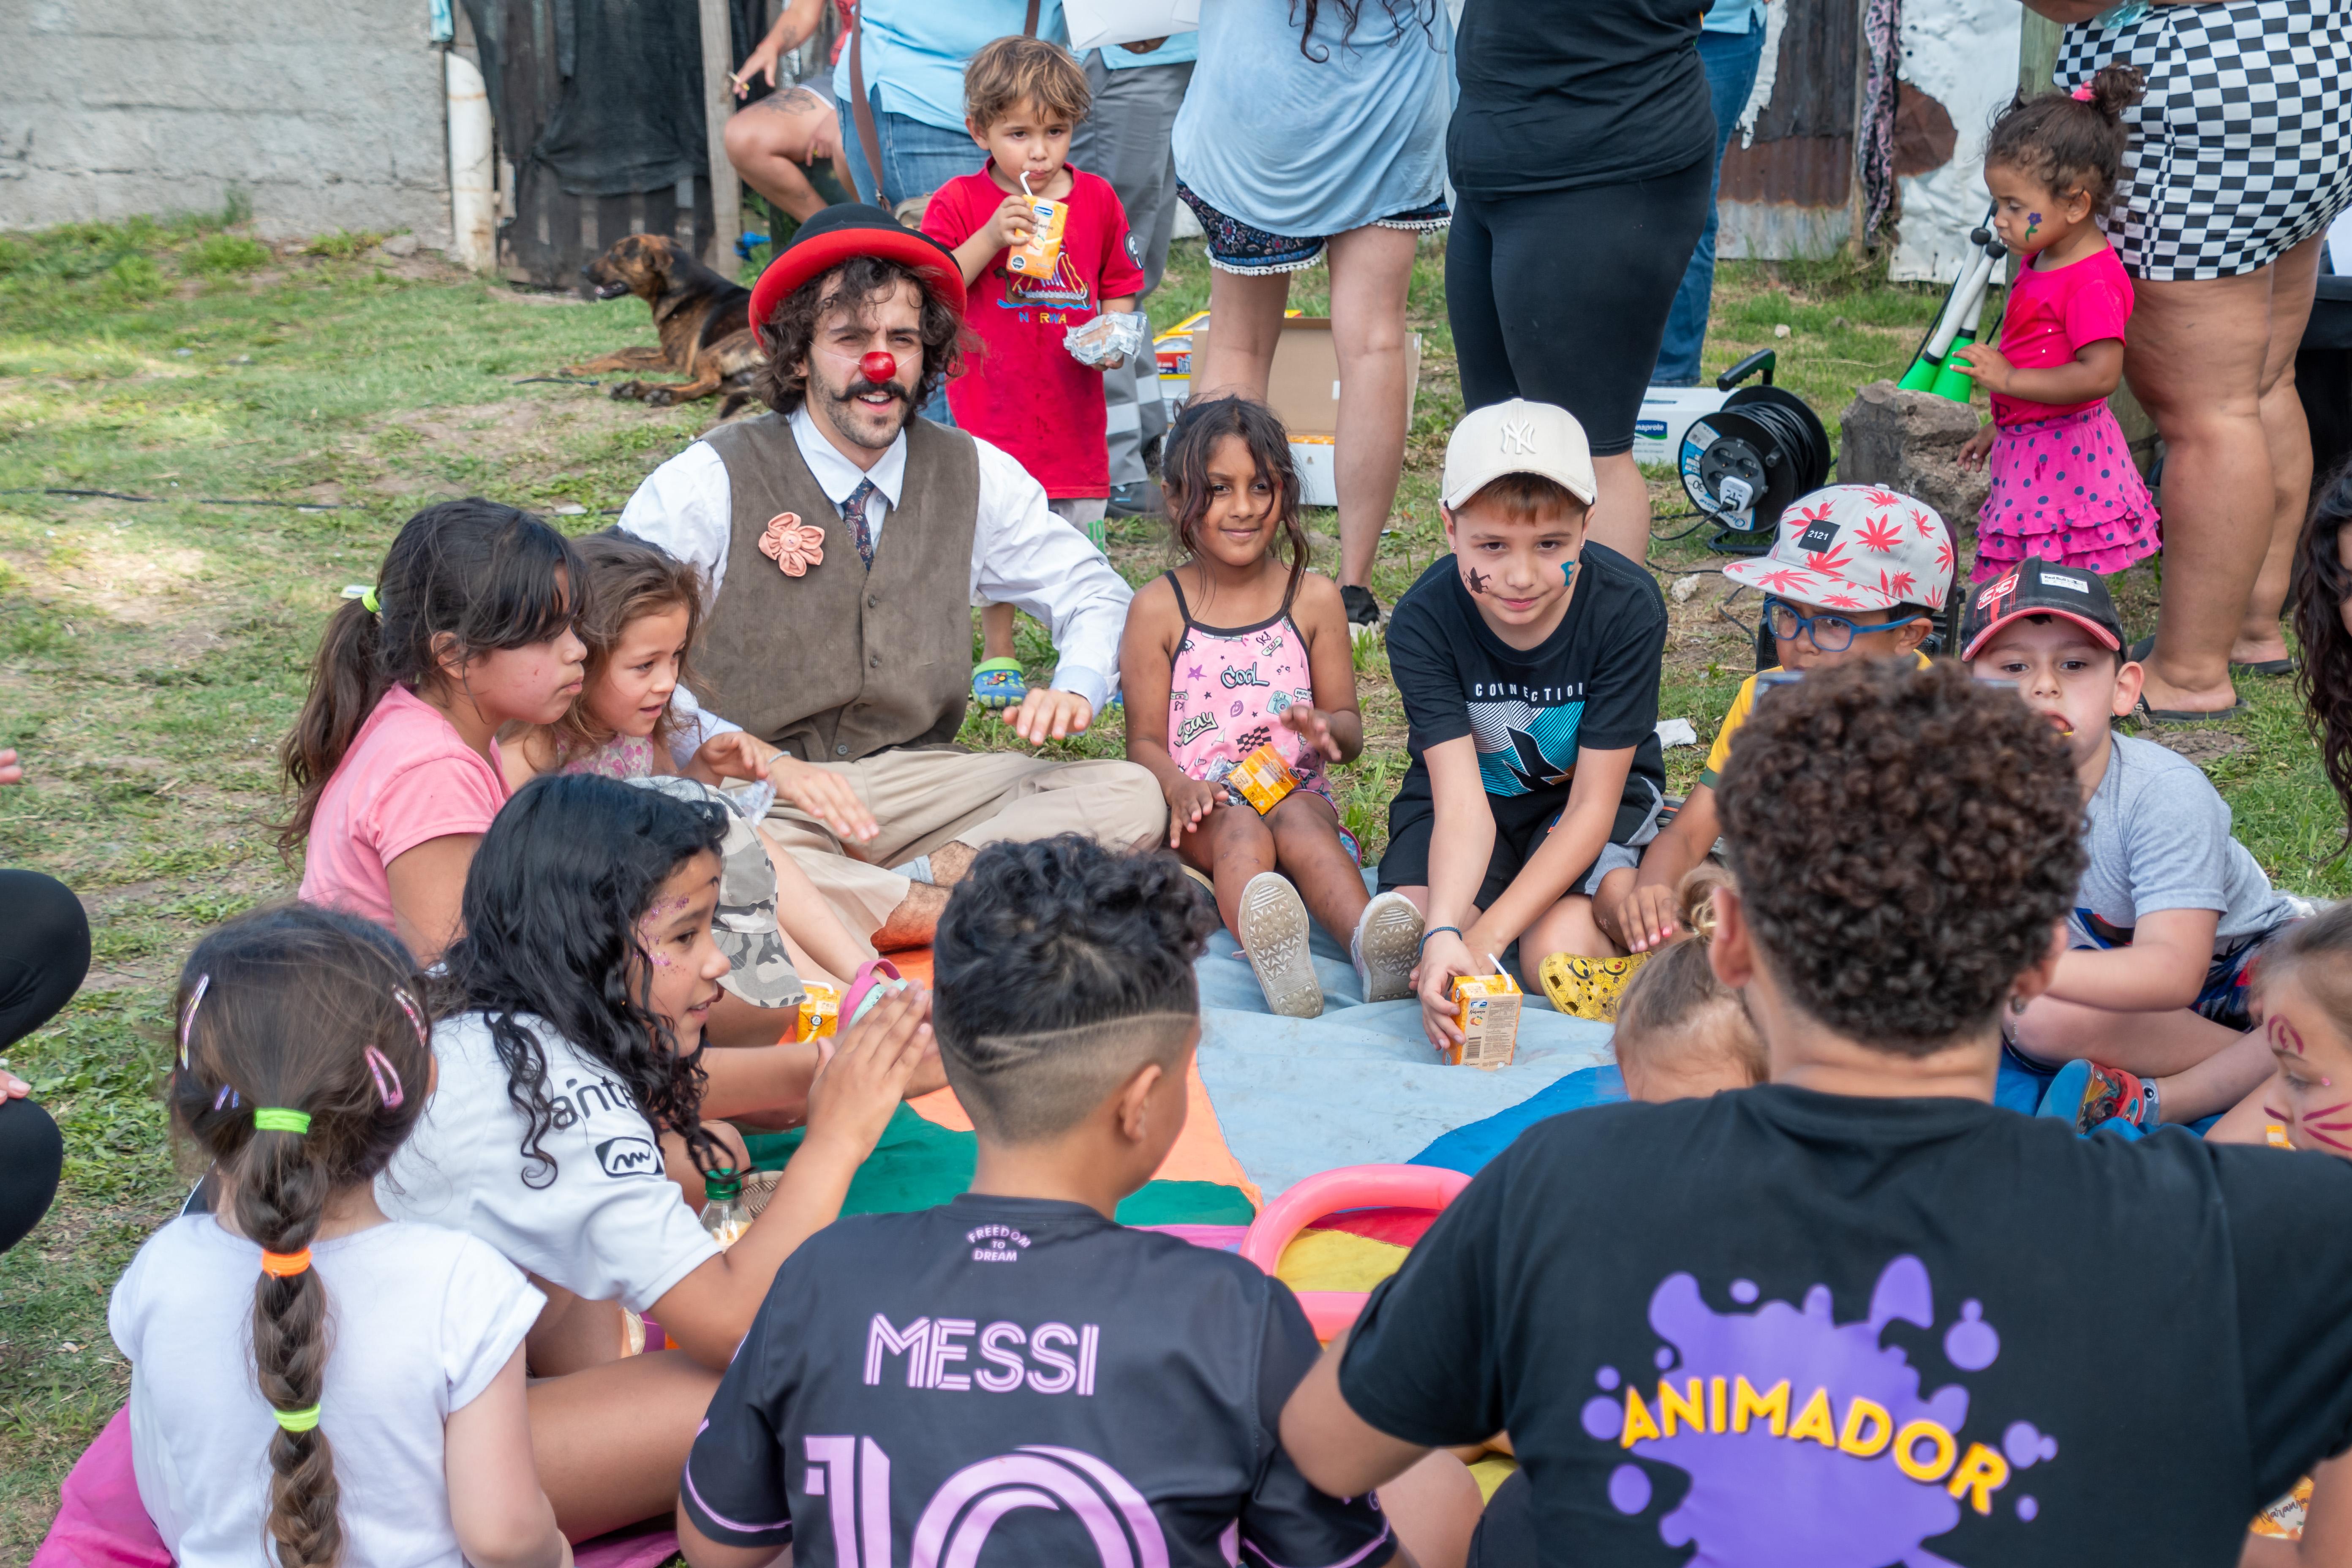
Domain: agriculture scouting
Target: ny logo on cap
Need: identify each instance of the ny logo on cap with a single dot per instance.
(1519, 438)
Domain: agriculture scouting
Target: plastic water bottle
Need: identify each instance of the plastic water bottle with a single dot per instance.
(723, 1214)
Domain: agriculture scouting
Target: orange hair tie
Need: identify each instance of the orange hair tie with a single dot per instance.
(286, 1265)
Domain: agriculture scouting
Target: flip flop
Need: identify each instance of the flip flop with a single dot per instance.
(2137, 653)
(998, 684)
(2153, 716)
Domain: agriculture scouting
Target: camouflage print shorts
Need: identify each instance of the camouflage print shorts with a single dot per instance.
(745, 925)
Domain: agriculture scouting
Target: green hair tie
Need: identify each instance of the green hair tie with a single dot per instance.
(365, 593)
(271, 1119)
(302, 1420)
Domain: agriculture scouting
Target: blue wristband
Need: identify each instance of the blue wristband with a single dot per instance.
(1432, 932)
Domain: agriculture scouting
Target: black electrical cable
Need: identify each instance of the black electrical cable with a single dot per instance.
(1804, 440)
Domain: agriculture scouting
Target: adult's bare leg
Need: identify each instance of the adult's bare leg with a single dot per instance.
(2294, 279)
(1245, 321)
(2195, 360)
(1370, 270)
(766, 143)
(1620, 517)
(611, 1441)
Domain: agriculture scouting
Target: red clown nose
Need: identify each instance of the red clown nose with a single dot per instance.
(877, 367)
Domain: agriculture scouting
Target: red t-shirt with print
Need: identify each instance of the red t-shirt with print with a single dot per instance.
(2052, 313)
(1023, 392)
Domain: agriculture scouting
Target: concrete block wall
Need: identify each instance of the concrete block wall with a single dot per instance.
(326, 114)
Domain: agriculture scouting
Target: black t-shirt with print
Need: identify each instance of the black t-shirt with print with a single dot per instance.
(1796, 1328)
(1593, 682)
(1557, 95)
(1006, 1380)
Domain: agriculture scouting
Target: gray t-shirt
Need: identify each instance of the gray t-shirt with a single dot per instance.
(2159, 839)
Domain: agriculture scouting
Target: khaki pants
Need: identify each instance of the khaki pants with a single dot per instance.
(925, 800)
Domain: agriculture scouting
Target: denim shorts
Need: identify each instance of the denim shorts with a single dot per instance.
(1236, 246)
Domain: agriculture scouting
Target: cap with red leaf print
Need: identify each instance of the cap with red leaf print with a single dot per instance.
(1855, 547)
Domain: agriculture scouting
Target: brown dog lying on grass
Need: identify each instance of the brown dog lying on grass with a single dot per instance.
(703, 318)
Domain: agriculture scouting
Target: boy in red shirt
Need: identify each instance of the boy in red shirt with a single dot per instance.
(1027, 392)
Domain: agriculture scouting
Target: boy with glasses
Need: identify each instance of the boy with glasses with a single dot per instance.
(1854, 573)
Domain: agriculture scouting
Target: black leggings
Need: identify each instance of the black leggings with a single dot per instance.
(43, 957)
(1562, 297)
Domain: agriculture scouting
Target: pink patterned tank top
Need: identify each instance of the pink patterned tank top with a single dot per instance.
(1228, 686)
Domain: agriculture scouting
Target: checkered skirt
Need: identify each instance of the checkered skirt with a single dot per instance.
(2242, 148)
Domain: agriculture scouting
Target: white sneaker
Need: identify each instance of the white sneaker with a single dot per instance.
(1274, 934)
(1386, 946)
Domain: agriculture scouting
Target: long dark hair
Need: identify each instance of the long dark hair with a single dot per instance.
(1352, 12)
(2322, 588)
(551, 905)
(2070, 144)
(1184, 463)
(303, 1009)
(484, 576)
(790, 335)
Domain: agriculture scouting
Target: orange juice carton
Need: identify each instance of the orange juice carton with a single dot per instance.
(1487, 1010)
(1263, 778)
(1037, 256)
(820, 1010)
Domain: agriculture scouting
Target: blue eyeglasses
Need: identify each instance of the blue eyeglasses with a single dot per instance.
(1828, 634)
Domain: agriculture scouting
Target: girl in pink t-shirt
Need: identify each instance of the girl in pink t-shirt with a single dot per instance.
(2063, 484)
(467, 627)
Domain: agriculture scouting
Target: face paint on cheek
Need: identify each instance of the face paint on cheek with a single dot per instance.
(2033, 223)
(2324, 1138)
(1476, 579)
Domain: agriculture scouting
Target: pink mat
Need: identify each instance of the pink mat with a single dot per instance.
(102, 1523)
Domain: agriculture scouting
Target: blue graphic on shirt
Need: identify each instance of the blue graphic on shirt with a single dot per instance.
(1523, 748)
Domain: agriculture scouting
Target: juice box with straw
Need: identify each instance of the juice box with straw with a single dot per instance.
(1487, 1010)
(1037, 256)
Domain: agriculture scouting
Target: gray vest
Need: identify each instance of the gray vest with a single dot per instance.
(845, 661)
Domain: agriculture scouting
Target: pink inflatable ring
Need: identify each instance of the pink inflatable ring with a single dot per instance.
(1428, 1187)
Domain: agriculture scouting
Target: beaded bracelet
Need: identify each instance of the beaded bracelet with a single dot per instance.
(1432, 932)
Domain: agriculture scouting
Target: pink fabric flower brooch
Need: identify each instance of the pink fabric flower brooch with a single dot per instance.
(793, 545)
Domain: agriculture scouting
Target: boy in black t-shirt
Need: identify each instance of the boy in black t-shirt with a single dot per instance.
(1527, 660)
(1014, 1378)
(1858, 1315)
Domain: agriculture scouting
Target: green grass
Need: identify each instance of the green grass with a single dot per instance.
(152, 654)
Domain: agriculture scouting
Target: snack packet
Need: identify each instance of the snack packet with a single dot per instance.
(820, 1011)
(1261, 778)
(1114, 334)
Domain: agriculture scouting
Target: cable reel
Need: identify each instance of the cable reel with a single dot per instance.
(1743, 464)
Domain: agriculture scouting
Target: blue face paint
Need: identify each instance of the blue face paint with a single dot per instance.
(1567, 573)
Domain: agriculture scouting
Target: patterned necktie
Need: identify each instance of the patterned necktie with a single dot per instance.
(853, 513)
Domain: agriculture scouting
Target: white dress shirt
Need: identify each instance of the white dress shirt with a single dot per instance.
(1022, 554)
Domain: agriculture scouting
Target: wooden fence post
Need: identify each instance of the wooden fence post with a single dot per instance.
(717, 102)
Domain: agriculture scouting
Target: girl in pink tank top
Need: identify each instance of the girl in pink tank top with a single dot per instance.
(1268, 691)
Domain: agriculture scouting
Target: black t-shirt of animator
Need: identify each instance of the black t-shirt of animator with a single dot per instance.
(1593, 682)
(1557, 95)
(1795, 1328)
(1005, 1380)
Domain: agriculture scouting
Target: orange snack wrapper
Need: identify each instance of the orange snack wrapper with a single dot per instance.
(820, 1011)
(1487, 1010)
(1264, 778)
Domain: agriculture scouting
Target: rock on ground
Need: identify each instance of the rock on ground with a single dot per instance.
(1910, 441)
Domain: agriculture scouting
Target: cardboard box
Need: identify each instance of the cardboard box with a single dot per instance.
(1486, 1011)
(1302, 388)
(1665, 413)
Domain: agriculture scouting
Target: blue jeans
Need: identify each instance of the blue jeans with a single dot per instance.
(917, 158)
(1731, 59)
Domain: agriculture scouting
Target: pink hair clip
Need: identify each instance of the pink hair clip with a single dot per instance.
(391, 1094)
(415, 1017)
(188, 1017)
(2082, 94)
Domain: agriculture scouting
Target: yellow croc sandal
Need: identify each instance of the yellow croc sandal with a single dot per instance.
(1588, 987)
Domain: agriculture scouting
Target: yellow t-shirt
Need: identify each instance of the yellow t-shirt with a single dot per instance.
(1742, 704)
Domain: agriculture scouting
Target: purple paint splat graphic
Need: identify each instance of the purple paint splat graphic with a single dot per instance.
(2023, 1446)
(1629, 1488)
(1757, 1501)
(2027, 1507)
(1744, 1291)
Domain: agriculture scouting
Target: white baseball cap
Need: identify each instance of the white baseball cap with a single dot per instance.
(1517, 437)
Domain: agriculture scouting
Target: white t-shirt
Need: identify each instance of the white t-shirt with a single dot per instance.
(420, 1321)
(606, 1224)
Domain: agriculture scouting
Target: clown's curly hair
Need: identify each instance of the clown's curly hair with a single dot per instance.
(1906, 841)
(859, 283)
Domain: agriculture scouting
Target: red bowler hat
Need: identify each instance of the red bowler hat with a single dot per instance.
(840, 233)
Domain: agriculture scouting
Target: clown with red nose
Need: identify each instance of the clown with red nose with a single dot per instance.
(852, 675)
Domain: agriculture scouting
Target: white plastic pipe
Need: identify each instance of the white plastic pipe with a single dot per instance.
(1965, 298)
(473, 200)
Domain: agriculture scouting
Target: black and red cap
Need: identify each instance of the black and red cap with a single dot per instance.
(2035, 587)
(843, 233)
